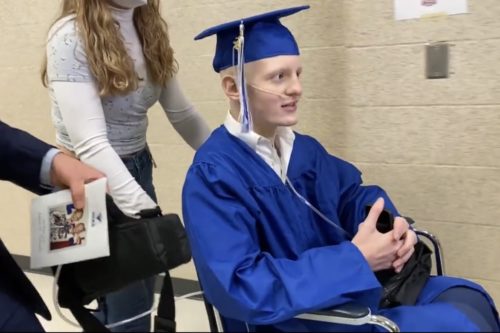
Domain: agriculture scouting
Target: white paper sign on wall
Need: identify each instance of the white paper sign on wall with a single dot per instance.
(414, 9)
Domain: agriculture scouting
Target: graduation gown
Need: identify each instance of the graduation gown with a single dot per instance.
(263, 256)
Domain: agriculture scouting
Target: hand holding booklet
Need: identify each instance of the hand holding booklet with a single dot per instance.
(61, 234)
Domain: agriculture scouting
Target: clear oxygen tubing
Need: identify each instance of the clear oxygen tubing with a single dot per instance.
(320, 214)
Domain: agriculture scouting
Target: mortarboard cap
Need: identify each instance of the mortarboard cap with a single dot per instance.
(264, 36)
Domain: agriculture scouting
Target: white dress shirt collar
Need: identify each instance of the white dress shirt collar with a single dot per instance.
(265, 147)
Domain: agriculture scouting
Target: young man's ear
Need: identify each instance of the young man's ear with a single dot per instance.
(230, 87)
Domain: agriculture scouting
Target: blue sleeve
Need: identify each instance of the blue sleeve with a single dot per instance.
(339, 184)
(355, 196)
(247, 283)
(21, 156)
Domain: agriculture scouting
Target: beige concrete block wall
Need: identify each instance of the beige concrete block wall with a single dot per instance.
(23, 101)
(432, 144)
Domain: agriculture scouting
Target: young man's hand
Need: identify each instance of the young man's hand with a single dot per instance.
(380, 250)
(402, 231)
(67, 171)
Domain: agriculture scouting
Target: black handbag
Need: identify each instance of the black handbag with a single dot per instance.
(403, 288)
(139, 248)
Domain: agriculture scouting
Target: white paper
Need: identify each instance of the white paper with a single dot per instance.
(412, 9)
(60, 234)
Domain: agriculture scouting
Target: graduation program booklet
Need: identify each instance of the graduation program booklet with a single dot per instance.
(61, 234)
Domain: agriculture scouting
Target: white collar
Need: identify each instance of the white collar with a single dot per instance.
(264, 147)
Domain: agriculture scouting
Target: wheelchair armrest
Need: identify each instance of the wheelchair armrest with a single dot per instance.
(350, 314)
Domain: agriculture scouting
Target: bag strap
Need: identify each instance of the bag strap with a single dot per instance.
(164, 319)
(165, 316)
(86, 319)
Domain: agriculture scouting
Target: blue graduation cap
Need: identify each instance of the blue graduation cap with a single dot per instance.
(250, 39)
(264, 35)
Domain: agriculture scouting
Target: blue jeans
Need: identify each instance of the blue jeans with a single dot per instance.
(138, 297)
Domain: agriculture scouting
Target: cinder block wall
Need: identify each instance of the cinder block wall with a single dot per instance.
(432, 144)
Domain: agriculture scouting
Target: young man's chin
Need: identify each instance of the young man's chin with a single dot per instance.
(289, 122)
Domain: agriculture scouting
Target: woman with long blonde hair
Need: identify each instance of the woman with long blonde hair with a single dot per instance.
(107, 62)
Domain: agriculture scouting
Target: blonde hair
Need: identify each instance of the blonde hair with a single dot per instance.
(108, 59)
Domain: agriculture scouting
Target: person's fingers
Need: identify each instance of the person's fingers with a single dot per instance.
(400, 227)
(409, 243)
(399, 263)
(412, 236)
(77, 194)
(389, 248)
(404, 252)
(388, 262)
(398, 245)
(374, 213)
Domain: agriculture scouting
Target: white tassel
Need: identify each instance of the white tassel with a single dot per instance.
(245, 116)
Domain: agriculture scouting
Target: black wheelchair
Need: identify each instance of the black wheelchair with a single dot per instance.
(346, 314)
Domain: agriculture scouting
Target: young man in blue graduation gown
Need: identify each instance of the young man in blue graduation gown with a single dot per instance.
(277, 224)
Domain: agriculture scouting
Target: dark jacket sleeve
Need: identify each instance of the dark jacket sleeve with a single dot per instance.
(21, 156)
